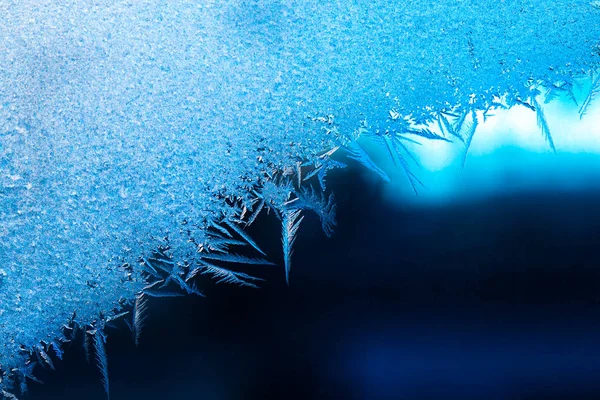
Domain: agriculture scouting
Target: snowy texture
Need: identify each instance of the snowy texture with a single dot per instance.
(131, 128)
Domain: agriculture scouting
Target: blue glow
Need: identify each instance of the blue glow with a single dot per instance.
(508, 154)
(469, 360)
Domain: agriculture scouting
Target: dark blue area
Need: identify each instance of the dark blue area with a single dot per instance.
(497, 299)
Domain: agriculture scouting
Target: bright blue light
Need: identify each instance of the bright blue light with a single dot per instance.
(508, 154)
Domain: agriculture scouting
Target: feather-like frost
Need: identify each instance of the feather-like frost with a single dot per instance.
(223, 275)
(542, 123)
(290, 224)
(87, 345)
(44, 357)
(448, 127)
(244, 235)
(57, 350)
(356, 152)
(139, 316)
(235, 258)
(161, 293)
(398, 158)
(469, 134)
(592, 93)
(9, 396)
(117, 316)
(221, 244)
(310, 199)
(552, 93)
(426, 133)
(328, 165)
(458, 123)
(220, 228)
(255, 213)
(148, 268)
(102, 360)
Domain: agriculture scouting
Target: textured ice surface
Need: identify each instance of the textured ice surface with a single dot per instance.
(125, 122)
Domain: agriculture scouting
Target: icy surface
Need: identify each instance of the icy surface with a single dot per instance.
(125, 122)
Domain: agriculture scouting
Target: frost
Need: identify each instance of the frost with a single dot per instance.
(101, 359)
(291, 222)
(132, 130)
(139, 316)
(593, 91)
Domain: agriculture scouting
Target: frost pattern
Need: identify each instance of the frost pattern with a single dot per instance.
(133, 130)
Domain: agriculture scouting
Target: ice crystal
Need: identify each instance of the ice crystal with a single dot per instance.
(132, 130)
